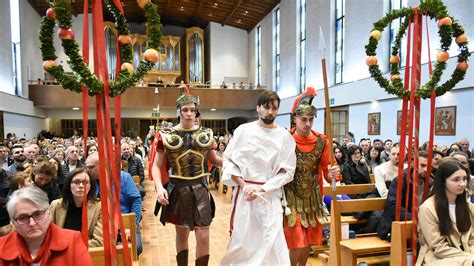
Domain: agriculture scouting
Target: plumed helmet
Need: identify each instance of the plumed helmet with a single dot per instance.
(303, 103)
(186, 98)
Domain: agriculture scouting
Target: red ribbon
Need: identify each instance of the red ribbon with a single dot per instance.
(403, 126)
(415, 85)
(100, 68)
(432, 119)
(85, 116)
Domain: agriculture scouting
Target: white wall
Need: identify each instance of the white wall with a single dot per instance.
(359, 90)
(31, 62)
(6, 68)
(228, 53)
(24, 126)
(288, 49)
(462, 99)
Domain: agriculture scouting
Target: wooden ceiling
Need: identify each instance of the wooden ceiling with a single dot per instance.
(243, 14)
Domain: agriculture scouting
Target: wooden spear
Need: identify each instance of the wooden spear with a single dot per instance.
(322, 49)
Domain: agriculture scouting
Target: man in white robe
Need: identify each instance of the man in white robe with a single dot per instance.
(259, 161)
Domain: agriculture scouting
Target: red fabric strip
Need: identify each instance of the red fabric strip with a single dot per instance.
(415, 85)
(100, 68)
(233, 210)
(403, 125)
(85, 115)
(432, 120)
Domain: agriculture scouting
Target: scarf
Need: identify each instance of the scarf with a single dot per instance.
(25, 256)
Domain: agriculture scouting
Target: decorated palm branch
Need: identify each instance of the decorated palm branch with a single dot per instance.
(410, 89)
(97, 84)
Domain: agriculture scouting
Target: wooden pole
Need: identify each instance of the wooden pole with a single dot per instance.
(322, 48)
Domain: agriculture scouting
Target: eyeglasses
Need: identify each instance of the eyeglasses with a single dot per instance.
(78, 182)
(25, 218)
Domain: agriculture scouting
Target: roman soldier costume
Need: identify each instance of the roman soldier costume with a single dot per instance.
(303, 225)
(186, 149)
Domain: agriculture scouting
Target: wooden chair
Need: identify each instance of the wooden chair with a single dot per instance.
(401, 232)
(130, 228)
(345, 252)
(98, 256)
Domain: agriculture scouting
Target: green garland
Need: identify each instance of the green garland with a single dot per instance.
(84, 76)
(435, 9)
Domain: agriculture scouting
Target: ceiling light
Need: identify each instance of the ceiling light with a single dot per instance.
(246, 12)
(182, 7)
(75, 108)
(216, 4)
(213, 109)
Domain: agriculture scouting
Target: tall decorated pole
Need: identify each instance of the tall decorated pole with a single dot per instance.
(97, 84)
(335, 219)
(411, 91)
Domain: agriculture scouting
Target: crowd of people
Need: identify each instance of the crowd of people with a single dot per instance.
(58, 173)
(278, 207)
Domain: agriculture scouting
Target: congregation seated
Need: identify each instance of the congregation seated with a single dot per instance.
(71, 162)
(130, 199)
(43, 177)
(19, 160)
(354, 171)
(389, 213)
(446, 219)
(387, 171)
(35, 240)
(67, 211)
(373, 158)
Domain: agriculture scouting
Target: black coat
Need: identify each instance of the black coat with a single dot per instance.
(355, 174)
(385, 225)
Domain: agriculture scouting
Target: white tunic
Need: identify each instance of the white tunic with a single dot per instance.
(258, 154)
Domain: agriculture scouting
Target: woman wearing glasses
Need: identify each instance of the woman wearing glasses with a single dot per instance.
(35, 241)
(67, 211)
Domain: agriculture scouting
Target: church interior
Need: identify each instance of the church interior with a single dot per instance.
(357, 55)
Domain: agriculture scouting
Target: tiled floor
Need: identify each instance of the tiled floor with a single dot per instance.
(158, 240)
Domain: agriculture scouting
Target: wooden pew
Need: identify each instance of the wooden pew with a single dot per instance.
(98, 256)
(401, 232)
(345, 252)
(372, 178)
(131, 232)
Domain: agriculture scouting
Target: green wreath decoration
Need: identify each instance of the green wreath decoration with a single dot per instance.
(127, 76)
(449, 28)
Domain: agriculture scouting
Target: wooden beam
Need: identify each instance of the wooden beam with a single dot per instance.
(37, 7)
(166, 7)
(196, 12)
(229, 16)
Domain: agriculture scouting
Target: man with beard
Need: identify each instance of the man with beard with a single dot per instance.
(19, 159)
(385, 225)
(303, 226)
(260, 159)
(186, 200)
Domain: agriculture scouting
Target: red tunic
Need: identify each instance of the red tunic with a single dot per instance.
(299, 236)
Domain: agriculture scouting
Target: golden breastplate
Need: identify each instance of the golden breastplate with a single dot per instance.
(303, 193)
(186, 150)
